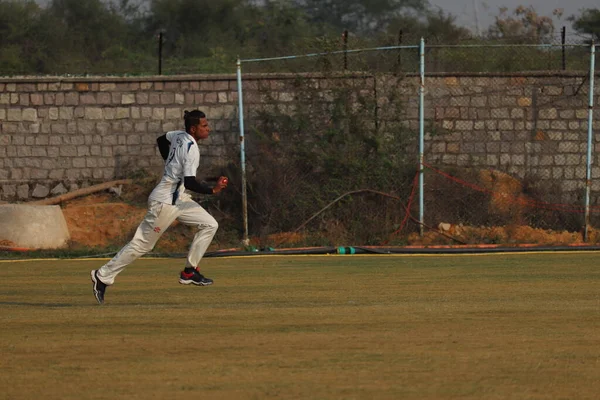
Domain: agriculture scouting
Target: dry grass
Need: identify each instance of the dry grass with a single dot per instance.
(351, 327)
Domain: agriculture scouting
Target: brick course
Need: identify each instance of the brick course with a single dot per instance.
(58, 133)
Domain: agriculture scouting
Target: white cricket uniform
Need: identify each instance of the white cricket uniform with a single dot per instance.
(168, 202)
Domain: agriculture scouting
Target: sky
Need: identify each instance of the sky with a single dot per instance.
(464, 10)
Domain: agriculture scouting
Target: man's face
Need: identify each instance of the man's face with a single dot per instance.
(200, 131)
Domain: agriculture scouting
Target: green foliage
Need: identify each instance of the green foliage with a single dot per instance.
(11, 60)
(334, 142)
(192, 26)
(121, 36)
(23, 32)
(362, 16)
(588, 23)
(217, 61)
(437, 27)
(88, 27)
(274, 29)
(502, 59)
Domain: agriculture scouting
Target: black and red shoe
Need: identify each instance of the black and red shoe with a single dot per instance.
(98, 287)
(194, 277)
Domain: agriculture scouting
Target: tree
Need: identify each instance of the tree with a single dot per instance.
(193, 27)
(274, 28)
(26, 40)
(88, 27)
(524, 24)
(359, 16)
(437, 26)
(588, 23)
(217, 32)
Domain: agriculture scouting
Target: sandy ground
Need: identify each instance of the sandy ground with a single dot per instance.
(99, 220)
(106, 221)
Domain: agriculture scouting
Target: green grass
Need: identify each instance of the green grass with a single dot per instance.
(325, 327)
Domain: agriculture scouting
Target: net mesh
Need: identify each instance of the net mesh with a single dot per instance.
(333, 153)
(328, 157)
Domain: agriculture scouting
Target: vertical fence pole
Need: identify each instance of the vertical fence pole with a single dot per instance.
(345, 47)
(399, 62)
(588, 182)
(563, 39)
(160, 45)
(421, 134)
(245, 239)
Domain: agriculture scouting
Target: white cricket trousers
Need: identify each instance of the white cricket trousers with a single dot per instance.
(159, 217)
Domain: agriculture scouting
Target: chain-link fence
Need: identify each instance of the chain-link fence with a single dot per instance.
(333, 157)
(513, 147)
(474, 54)
(479, 56)
(161, 53)
(524, 135)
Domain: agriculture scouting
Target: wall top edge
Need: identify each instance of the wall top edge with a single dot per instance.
(115, 79)
(273, 76)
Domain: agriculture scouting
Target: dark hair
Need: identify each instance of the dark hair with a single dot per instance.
(192, 118)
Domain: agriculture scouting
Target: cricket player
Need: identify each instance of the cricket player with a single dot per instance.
(169, 202)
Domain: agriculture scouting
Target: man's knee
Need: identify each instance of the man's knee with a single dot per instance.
(210, 226)
(142, 247)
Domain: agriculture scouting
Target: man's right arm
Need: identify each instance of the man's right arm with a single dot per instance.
(163, 146)
(192, 184)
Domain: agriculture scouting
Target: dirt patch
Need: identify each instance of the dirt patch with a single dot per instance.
(510, 234)
(99, 221)
(105, 221)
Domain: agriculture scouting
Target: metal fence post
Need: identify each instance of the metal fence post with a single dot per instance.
(563, 39)
(588, 182)
(421, 134)
(345, 47)
(245, 238)
(160, 46)
(399, 60)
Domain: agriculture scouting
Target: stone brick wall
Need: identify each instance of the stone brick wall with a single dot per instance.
(533, 126)
(59, 134)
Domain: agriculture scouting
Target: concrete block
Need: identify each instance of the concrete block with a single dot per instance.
(33, 227)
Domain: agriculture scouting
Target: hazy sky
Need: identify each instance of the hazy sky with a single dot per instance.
(464, 10)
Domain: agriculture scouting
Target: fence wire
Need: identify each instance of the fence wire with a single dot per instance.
(335, 142)
(334, 156)
(503, 57)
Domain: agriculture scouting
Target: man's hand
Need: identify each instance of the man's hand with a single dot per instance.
(221, 184)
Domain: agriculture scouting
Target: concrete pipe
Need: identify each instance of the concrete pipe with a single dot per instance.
(33, 227)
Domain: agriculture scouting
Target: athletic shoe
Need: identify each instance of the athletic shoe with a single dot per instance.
(98, 286)
(195, 278)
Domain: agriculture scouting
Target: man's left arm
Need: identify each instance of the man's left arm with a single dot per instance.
(163, 146)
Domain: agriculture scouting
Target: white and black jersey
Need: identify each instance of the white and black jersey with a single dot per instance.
(183, 160)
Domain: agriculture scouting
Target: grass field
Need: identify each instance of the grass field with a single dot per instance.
(311, 327)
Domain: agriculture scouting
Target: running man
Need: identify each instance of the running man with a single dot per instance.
(169, 202)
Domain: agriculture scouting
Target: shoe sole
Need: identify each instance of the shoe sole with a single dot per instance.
(95, 282)
(187, 282)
